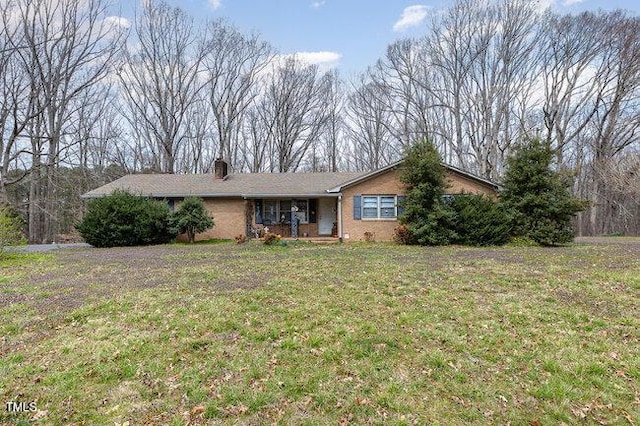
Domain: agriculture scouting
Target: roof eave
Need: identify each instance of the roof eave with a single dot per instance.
(365, 176)
(392, 166)
(299, 195)
(227, 195)
(495, 185)
(167, 195)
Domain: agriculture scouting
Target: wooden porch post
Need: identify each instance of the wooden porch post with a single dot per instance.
(248, 211)
(340, 217)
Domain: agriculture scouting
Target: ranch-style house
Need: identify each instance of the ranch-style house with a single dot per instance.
(345, 206)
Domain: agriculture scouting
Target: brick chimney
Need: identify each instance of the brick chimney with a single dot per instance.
(221, 168)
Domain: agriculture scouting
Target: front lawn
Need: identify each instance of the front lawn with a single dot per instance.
(304, 334)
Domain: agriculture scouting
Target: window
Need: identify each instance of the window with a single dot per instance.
(303, 210)
(270, 213)
(379, 207)
(369, 207)
(285, 211)
(387, 207)
(279, 211)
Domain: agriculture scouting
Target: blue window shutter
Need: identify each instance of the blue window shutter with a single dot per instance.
(400, 205)
(357, 207)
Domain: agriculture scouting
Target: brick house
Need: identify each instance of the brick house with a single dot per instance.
(339, 205)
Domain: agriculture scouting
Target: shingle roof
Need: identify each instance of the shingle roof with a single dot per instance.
(247, 185)
(368, 175)
(250, 185)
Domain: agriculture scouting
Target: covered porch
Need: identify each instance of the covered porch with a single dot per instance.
(315, 217)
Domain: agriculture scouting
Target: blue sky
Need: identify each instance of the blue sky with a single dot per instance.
(349, 34)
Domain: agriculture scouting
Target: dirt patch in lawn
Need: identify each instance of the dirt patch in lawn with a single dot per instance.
(92, 274)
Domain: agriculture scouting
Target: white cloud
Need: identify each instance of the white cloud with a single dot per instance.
(117, 21)
(411, 16)
(543, 5)
(215, 3)
(319, 58)
(572, 2)
(317, 4)
(324, 60)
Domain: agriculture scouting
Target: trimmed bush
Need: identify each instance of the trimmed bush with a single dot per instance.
(191, 218)
(123, 219)
(480, 221)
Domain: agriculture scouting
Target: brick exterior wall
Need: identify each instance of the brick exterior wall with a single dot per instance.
(459, 184)
(228, 215)
(382, 229)
(389, 183)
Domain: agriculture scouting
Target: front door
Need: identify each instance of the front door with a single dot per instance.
(326, 215)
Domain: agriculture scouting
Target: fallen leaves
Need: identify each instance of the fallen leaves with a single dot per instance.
(197, 410)
(358, 353)
(40, 414)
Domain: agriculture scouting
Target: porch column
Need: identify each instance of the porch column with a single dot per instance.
(340, 217)
(248, 215)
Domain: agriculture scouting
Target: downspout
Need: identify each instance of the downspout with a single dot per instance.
(340, 217)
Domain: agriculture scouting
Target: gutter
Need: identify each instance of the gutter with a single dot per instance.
(167, 195)
(223, 195)
(257, 196)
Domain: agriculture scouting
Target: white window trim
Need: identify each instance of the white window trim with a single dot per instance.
(379, 204)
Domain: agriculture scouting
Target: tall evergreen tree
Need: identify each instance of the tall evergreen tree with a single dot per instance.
(428, 220)
(539, 195)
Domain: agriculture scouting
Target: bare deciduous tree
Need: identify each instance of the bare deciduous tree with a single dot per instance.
(161, 79)
(293, 112)
(233, 63)
(65, 47)
(485, 55)
(369, 133)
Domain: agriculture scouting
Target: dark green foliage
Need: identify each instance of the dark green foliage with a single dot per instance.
(424, 177)
(436, 228)
(11, 225)
(123, 219)
(191, 218)
(480, 221)
(539, 196)
(428, 220)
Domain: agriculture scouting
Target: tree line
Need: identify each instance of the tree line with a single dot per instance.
(86, 97)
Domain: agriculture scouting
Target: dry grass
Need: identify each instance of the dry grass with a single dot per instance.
(357, 333)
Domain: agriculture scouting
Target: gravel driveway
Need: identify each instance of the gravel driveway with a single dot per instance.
(36, 248)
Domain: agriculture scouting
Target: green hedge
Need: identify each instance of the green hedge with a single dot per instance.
(480, 221)
(123, 219)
